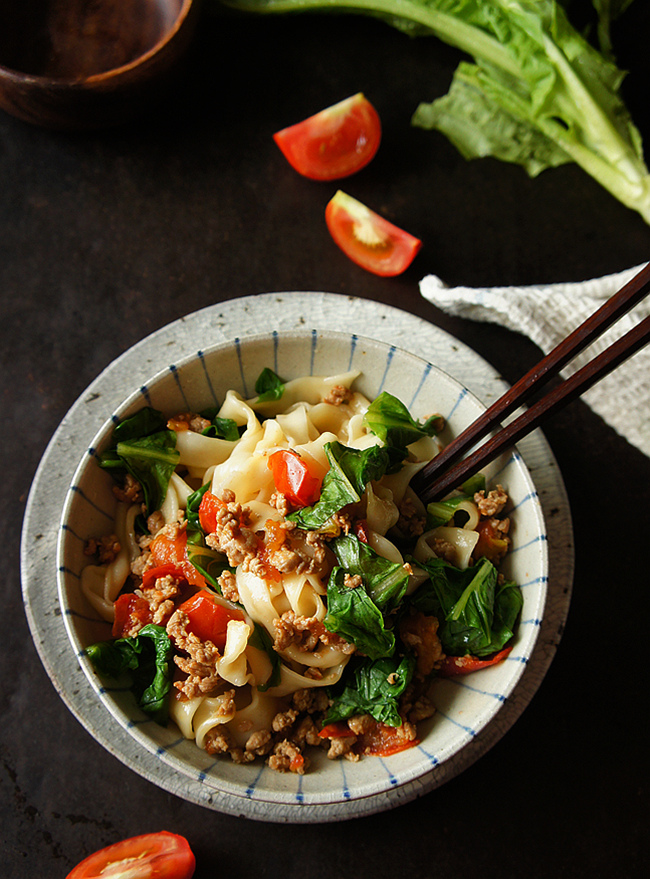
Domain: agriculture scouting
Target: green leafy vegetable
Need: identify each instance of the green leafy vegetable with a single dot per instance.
(140, 447)
(375, 689)
(538, 93)
(147, 658)
(268, 386)
(477, 616)
(384, 581)
(220, 428)
(145, 421)
(352, 614)
(390, 420)
(344, 483)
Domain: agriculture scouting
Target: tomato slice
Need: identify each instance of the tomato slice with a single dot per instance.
(208, 619)
(334, 143)
(129, 609)
(368, 239)
(161, 855)
(293, 478)
(464, 665)
(170, 554)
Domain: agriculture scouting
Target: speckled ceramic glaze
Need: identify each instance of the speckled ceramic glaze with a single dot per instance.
(472, 712)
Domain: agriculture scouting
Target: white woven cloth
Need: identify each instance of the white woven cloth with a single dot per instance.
(547, 314)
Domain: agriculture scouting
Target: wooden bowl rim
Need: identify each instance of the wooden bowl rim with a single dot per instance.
(51, 81)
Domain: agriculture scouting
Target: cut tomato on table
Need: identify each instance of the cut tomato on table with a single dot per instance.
(334, 143)
(151, 856)
(367, 239)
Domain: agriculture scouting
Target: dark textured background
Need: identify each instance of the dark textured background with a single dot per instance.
(105, 237)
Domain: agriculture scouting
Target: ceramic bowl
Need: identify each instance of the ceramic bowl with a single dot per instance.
(70, 64)
(465, 706)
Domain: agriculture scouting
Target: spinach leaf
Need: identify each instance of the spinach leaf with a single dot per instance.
(269, 386)
(220, 428)
(151, 460)
(145, 421)
(390, 420)
(142, 447)
(375, 689)
(476, 615)
(344, 483)
(384, 581)
(352, 614)
(147, 657)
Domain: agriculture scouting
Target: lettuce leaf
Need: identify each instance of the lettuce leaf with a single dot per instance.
(538, 94)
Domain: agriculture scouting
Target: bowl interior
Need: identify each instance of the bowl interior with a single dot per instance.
(74, 39)
(464, 705)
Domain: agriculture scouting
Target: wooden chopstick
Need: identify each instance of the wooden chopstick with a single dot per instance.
(440, 475)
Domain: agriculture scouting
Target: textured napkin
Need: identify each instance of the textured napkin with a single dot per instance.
(547, 314)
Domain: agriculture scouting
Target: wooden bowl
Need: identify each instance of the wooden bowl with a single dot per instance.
(70, 64)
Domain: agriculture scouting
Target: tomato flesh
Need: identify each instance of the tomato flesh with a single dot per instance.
(367, 239)
(464, 665)
(130, 610)
(170, 554)
(293, 478)
(208, 619)
(151, 856)
(335, 143)
(208, 509)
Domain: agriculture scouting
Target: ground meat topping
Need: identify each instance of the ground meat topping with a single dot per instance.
(201, 663)
(232, 537)
(305, 633)
(493, 504)
(105, 548)
(337, 395)
(228, 583)
(287, 757)
(188, 421)
(155, 522)
(131, 492)
(411, 521)
(160, 598)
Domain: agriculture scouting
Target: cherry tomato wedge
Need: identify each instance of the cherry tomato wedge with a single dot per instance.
(129, 610)
(170, 553)
(464, 665)
(334, 143)
(293, 478)
(208, 619)
(368, 239)
(208, 509)
(151, 856)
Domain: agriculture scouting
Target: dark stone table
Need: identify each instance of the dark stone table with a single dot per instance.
(106, 237)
